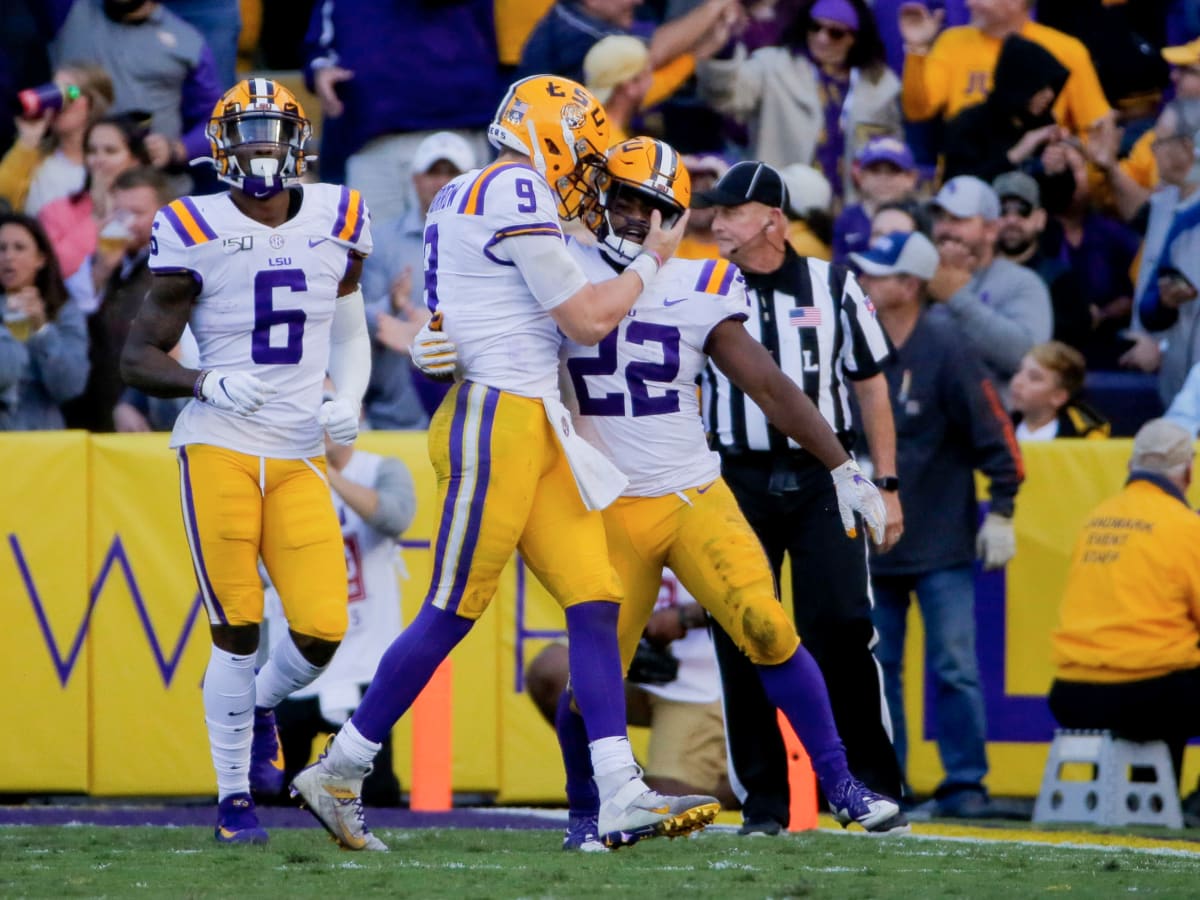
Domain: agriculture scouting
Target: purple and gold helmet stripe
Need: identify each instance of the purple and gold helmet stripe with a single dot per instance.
(212, 605)
(470, 474)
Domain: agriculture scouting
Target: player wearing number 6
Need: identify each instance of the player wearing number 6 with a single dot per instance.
(267, 277)
(508, 478)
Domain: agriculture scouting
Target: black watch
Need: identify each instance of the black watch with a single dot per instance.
(887, 483)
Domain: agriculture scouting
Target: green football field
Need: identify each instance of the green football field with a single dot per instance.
(93, 861)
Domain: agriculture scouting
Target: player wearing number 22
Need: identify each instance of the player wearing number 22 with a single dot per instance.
(266, 275)
(635, 399)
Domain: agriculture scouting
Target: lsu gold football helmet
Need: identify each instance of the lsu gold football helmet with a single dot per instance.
(257, 132)
(639, 175)
(562, 128)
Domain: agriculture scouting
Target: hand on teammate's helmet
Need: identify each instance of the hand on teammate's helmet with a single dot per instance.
(339, 417)
(238, 392)
(856, 494)
(432, 352)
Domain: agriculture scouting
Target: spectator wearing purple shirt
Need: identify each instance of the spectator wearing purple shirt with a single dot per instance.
(884, 172)
(816, 100)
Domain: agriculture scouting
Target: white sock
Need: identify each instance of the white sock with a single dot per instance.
(351, 754)
(287, 670)
(229, 715)
(612, 764)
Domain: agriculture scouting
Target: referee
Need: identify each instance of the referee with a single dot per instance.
(820, 328)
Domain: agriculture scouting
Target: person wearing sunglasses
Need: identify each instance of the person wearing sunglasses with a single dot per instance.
(815, 99)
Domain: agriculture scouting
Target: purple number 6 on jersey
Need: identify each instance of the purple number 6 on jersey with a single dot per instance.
(266, 317)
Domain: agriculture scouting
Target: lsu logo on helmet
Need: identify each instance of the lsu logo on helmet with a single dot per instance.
(639, 175)
(257, 132)
(561, 127)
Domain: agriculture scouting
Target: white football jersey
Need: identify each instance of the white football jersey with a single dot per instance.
(372, 564)
(266, 306)
(635, 393)
(505, 339)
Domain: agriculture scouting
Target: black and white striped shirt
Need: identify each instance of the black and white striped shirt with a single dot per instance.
(820, 328)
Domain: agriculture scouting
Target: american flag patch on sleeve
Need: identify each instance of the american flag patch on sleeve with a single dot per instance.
(804, 317)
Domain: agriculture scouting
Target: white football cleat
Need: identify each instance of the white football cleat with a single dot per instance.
(336, 802)
(635, 812)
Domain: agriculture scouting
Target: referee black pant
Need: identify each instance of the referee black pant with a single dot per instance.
(790, 502)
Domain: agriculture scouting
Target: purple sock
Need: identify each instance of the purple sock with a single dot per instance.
(595, 659)
(582, 797)
(798, 688)
(405, 669)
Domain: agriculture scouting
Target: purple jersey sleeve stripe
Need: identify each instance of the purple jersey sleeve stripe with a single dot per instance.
(177, 224)
(727, 280)
(483, 475)
(359, 219)
(705, 274)
(193, 531)
(488, 178)
(550, 228)
(203, 225)
(343, 210)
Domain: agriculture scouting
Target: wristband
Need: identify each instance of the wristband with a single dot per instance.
(198, 387)
(644, 267)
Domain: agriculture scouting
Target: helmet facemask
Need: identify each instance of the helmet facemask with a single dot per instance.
(260, 152)
(621, 219)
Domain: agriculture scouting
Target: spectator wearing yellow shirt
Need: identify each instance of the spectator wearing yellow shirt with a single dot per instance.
(1127, 646)
(698, 242)
(1140, 164)
(944, 74)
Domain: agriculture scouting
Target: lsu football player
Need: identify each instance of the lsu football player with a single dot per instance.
(635, 399)
(498, 269)
(266, 275)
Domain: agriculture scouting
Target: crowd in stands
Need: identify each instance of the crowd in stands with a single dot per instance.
(1049, 152)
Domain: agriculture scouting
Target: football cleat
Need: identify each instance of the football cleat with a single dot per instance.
(336, 802)
(636, 812)
(852, 801)
(237, 823)
(583, 834)
(563, 129)
(266, 756)
(639, 175)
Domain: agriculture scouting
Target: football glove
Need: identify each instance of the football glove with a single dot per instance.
(432, 352)
(996, 542)
(856, 494)
(236, 392)
(339, 417)
(652, 665)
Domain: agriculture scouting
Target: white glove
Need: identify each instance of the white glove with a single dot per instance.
(238, 392)
(432, 352)
(996, 542)
(340, 418)
(856, 494)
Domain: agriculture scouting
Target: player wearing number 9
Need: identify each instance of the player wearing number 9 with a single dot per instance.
(267, 277)
(636, 397)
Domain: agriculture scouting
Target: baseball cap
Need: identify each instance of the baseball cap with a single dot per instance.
(443, 145)
(965, 196)
(899, 253)
(840, 11)
(1160, 445)
(887, 149)
(807, 189)
(1183, 54)
(1019, 185)
(745, 182)
(610, 61)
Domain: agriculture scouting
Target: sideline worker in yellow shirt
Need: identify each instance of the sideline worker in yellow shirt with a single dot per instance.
(1127, 647)
(946, 75)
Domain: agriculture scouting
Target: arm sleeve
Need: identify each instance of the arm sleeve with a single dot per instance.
(974, 405)
(13, 360)
(352, 222)
(200, 92)
(1184, 409)
(549, 270)
(1003, 338)
(350, 348)
(923, 85)
(668, 79)
(1085, 97)
(168, 254)
(59, 354)
(733, 86)
(397, 498)
(865, 347)
(319, 46)
(16, 173)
